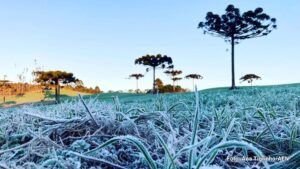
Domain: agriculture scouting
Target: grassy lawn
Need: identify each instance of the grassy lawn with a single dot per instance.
(67, 95)
(216, 124)
(132, 97)
(31, 97)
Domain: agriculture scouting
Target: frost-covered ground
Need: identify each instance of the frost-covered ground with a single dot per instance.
(157, 131)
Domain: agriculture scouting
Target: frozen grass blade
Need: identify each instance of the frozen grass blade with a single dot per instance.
(229, 130)
(293, 162)
(230, 144)
(191, 147)
(195, 128)
(178, 104)
(214, 119)
(165, 147)
(133, 140)
(96, 159)
(88, 110)
(262, 115)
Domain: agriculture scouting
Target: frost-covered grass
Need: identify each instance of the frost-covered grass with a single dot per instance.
(192, 130)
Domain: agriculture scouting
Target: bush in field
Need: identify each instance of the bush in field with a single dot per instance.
(234, 27)
(159, 83)
(84, 89)
(168, 88)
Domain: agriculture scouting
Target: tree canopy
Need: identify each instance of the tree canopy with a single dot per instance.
(193, 76)
(250, 24)
(136, 76)
(173, 72)
(176, 79)
(159, 83)
(155, 60)
(54, 77)
(250, 78)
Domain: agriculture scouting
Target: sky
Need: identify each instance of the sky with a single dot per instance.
(99, 40)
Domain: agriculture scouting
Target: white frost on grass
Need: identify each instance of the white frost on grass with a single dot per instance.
(59, 136)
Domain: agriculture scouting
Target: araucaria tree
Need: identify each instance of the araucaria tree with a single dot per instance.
(193, 77)
(155, 62)
(55, 78)
(175, 79)
(234, 27)
(173, 73)
(250, 78)
(137, 76)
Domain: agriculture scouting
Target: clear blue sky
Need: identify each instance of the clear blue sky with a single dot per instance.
(98, 40)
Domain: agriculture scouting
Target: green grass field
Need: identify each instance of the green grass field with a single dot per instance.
(129, 97)
(205, 130)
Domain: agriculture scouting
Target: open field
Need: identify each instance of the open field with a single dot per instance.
(184, 130)
(32, 97)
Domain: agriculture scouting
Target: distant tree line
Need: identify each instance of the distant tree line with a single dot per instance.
(85, 89)
(18, 89)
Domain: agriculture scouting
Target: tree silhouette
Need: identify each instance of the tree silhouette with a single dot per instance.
(155, 62)
(176, 79)
(233, 27)
(193, 77)
(250, 78)
(173, 73)
(137, 76)
(55, 78)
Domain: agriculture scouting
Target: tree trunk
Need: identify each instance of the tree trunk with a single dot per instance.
(58, 93)
(193, 85)
(173, 85)
(137, 85)
(57, 88)
(232, 64)
(153, 81)
(3, 92)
